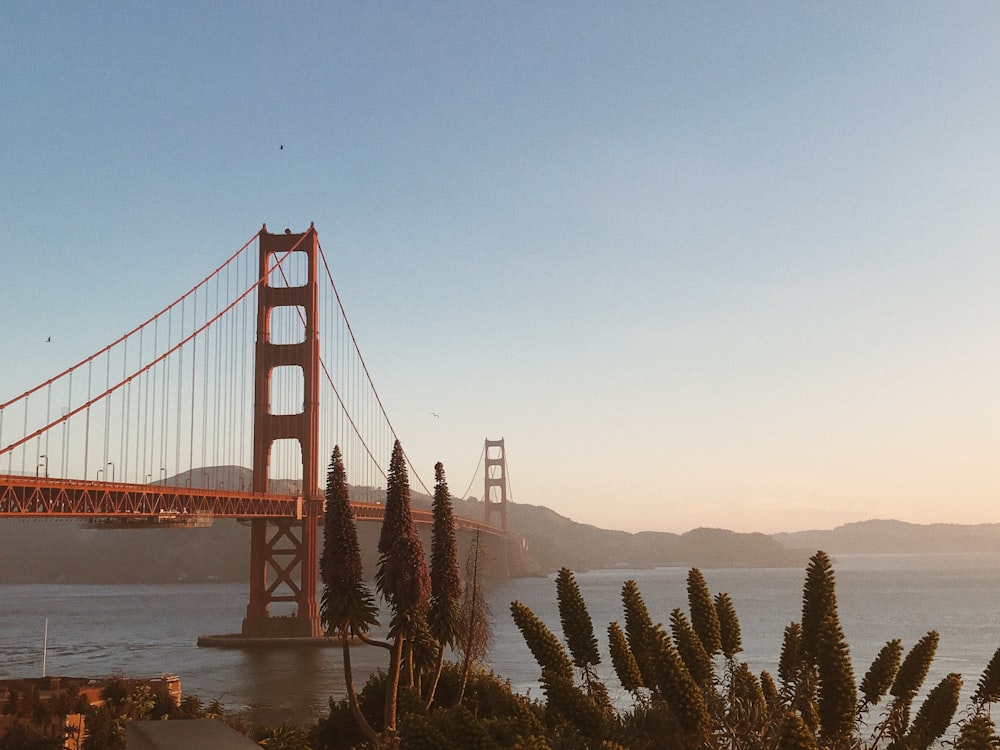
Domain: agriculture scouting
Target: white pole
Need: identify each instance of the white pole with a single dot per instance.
(45, 646)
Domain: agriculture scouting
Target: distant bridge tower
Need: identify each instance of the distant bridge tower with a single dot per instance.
(495, 481)
(291, 551)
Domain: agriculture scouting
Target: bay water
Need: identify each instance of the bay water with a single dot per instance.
(147, 630)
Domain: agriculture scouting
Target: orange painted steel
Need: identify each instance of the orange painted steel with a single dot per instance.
(291, 553)
(33, 497)
(41, 497)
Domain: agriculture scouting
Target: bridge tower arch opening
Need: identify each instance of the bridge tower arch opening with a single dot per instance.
(284, 556)
(495, 481)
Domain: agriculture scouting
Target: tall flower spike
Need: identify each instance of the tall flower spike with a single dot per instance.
(407, 581)
(578, 628)
(704, 618)
(935, 714)
(729, 626)
(880, 674)
(398, 519)
(790, 661)
(623, 660)
(913, 670)
(446, 578)
(988, 688)
(819, 601)
(681, 693)
(639, 630)
(795, 735)
(572, 705)
(747, 699)
(346, 601)
(690, 648)
(770, 691)
(837, 693)
(544, 646)
(978, 733)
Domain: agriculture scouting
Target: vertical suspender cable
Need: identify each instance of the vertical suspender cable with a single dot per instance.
(219, 375)
(107, 417)
(126, 401)
(140, 419)
(232, 382)
(180, 379)
(164, 389)
(247, 353)
(48, 420)
(24, 451)
(64, 448)
(194, 364)
(86, 421)
(206, 354)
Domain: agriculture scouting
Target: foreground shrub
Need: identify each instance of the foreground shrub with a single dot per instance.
(491, 715)
(690, 692)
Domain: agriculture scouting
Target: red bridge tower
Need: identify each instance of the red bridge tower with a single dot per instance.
(286, 548)
(495, 481)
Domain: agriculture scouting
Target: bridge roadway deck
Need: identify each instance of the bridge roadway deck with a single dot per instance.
(43, 497)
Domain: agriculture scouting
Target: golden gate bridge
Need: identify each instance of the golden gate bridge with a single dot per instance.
(255, 366)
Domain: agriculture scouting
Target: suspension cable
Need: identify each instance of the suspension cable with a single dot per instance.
(475, 473)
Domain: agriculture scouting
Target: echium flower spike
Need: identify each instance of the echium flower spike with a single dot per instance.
(544, 646)
(690, 648)
(729, 626)
(770, 691)
(837, 693)
(747, 694)
(346, 602)
(819, 601)
(446, 578)
(795, 735)
(572, 705)
(639, 630)
(790, 661)
(623, 660)
(578, 628)
(398, 519)
(407, 582)
(978, 733)
(988, 688)
(681, 693)
(704, 618)
(881, 673)
(911, 673)
(935, 714)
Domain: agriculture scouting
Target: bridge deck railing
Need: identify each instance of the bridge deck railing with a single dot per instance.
(37, 497)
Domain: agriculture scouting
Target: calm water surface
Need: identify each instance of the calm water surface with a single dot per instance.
(141, 630)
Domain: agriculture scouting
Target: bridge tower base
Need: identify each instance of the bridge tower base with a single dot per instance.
(286, 549)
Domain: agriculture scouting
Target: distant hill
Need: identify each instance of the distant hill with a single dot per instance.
(62, 551)
(896, 537)
(554, 541)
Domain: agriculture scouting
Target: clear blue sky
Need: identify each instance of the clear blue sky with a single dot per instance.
(701, 264)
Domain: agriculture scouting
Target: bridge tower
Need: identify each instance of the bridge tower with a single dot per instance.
(288, 549)
(495, 481)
